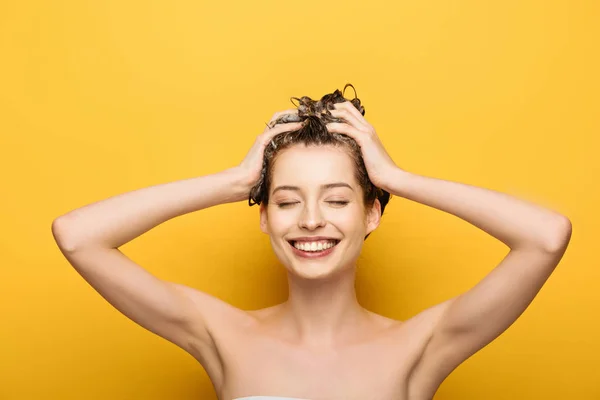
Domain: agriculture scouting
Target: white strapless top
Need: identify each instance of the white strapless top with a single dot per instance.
(268, 398)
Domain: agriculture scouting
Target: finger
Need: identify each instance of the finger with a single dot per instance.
(274, 124)
(349, 117)
(269, 133)
(348, 106)
(280, 113)
(278, 116)
(340, 127)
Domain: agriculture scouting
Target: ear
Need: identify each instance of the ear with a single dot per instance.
(263, 218)
(373, 216)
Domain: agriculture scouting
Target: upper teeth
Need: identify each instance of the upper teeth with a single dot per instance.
(314, 246)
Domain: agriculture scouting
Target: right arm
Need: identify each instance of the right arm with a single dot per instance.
(89, 238)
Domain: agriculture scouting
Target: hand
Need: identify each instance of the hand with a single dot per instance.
(379, 164)
(252, 164)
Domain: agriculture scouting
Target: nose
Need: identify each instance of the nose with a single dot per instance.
(311, 218)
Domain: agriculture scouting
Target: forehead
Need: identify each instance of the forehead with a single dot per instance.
(313, 165)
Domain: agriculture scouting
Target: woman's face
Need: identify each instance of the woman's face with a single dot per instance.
(315, 202)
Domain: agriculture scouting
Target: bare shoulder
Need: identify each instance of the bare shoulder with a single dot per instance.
(213, 313)
(215, 325)
(212, 316)
(383, 323)
(420, 324)
(430, 316)
(263, 313)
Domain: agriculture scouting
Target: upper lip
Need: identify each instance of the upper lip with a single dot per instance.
(311, 239)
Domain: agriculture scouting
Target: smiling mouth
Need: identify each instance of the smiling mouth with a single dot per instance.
(314, 247)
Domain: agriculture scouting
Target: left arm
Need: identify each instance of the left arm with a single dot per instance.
(537, 238)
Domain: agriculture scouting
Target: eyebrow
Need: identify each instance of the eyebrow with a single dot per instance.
(323, 187)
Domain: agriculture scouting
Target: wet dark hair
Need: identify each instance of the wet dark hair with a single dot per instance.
(314, 116)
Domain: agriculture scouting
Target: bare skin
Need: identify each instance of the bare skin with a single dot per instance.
(377, 359)
(320, 344)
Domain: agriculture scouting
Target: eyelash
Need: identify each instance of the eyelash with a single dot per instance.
(339, 203)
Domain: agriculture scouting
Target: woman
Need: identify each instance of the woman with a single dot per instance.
(322, 182)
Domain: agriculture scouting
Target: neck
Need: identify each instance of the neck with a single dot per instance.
(323, 312)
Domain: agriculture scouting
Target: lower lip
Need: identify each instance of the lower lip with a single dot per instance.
(312, 254)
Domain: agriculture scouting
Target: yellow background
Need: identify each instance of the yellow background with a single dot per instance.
(103, 97)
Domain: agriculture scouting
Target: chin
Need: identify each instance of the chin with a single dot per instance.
(312, 272)
(316, 271)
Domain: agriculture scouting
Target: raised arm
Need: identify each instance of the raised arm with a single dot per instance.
(537, 238)
(89, 237)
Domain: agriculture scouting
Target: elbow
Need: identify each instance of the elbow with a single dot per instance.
(61, 236)
(560, 236)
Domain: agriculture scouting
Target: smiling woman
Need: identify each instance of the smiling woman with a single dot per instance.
(319, 218)
(322, 179)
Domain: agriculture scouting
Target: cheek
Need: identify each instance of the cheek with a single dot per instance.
(280, 222)
(350, 222)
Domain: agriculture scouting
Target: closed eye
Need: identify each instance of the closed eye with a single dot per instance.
(284, 205)
(339, 203)
(289, 204)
